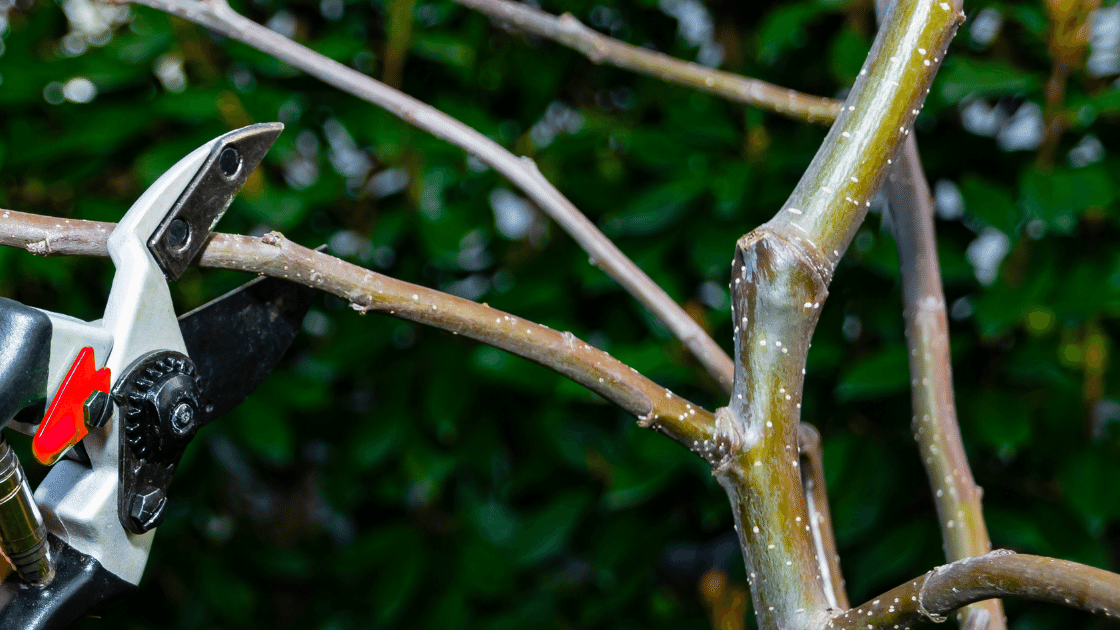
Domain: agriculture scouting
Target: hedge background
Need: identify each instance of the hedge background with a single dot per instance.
(388, 475)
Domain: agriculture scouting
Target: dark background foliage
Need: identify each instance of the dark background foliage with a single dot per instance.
(389, 475)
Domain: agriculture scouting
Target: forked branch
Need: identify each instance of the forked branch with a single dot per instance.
(780, 276)
(599, 48)
(521, 171)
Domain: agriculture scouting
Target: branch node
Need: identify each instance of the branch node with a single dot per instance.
(40, 248)
(273, 238)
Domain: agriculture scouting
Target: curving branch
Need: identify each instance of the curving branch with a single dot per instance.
(930, 597)
(599, 48)
(273, 255)
(521, 171)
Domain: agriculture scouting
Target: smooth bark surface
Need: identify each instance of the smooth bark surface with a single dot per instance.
(273, 255)
(936, 430)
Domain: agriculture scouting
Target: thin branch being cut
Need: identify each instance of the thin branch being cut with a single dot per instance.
(927, 337)
(820, 517)
(599, 48)
(522, 172)
(930, 597)
(780, 276)
(273, 255)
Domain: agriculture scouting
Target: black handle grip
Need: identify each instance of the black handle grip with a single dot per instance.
(25, 351)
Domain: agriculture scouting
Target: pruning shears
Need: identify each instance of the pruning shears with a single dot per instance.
(112, 404)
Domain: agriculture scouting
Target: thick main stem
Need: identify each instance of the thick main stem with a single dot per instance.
(927, 337)
(779, 281)
(832, 198)
(777, 294)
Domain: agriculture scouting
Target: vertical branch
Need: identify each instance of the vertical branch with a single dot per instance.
(927, 337)
(400, 36)
(832, 198)
(820, 518)
(935, 425)
(775, 305)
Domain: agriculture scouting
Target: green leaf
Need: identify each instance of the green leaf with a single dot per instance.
(963, 76)
(1004, 424)
(849, 50)
(884, 372)
(546, 533)
(989, 203)
(656, 210)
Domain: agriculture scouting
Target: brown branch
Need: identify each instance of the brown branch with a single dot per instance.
(521, 171)
(927, 337)
(599, 48)
(820, 517)
(273, 255)
(930, 597)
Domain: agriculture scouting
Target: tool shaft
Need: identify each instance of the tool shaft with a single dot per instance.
(23, 537)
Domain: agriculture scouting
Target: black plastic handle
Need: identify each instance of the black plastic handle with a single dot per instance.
(25, 351)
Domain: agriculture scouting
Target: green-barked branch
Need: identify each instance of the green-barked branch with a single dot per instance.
(779, 282)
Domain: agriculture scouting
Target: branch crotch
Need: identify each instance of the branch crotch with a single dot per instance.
(777, 293)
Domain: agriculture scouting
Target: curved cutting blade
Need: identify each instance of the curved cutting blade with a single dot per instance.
(237, 339)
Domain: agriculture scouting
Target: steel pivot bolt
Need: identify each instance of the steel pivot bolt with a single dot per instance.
(182, 418)
(147, 509)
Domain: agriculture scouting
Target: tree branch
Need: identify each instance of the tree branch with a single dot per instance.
(599, 48)
(820, 517)
(780, 277)
(522, 172)
(930, 597)
(927, 337)
(273, 255)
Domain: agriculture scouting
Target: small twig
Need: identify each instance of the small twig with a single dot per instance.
(930, 597)
(820, 517)
(599, 48)
(521, 171)
(273, 255)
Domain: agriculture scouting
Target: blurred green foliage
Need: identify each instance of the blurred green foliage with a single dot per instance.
(387, 475)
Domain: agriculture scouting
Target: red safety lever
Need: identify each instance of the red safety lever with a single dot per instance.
(65, 422)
